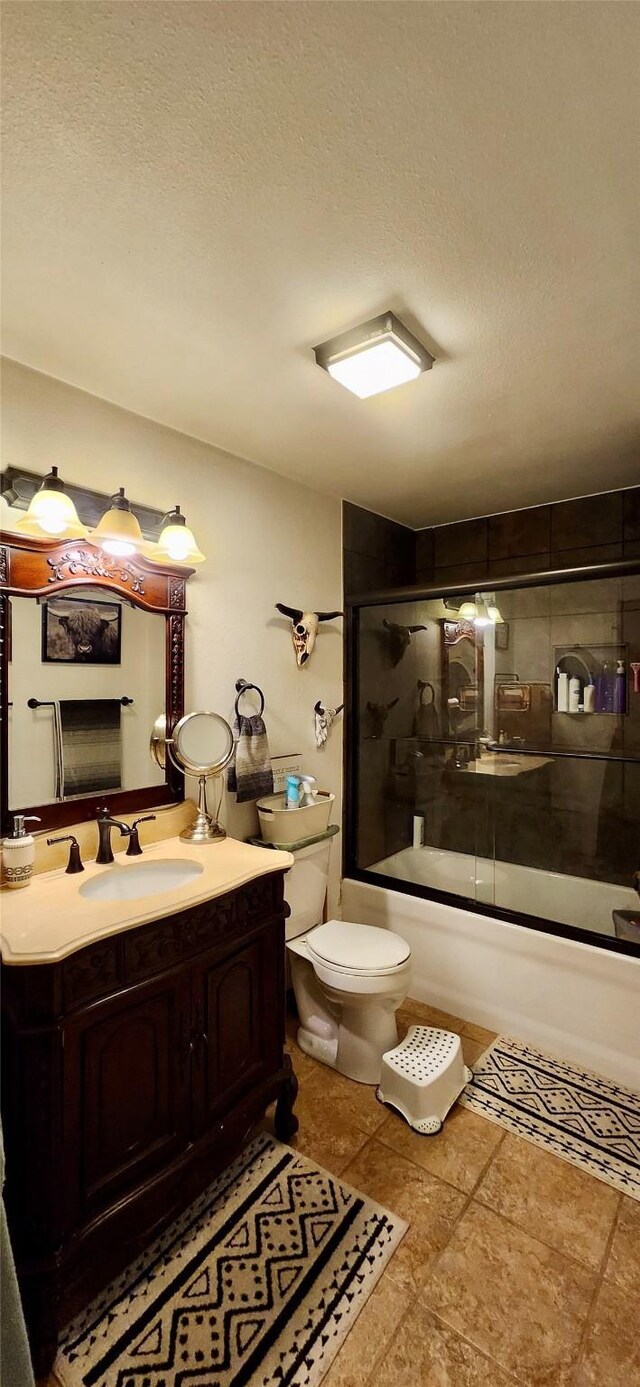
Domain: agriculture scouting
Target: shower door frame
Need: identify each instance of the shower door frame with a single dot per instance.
(421, 593)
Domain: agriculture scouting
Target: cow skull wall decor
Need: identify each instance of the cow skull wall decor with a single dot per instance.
(377, 714)
(304, 629)
(399, 639)
(324, 718)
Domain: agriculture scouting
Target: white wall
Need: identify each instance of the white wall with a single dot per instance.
(267, 540)
(571, 999)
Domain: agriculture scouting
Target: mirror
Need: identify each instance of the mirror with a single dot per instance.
(202, 744)
(86, 676)
(462, 677)
(93, 646)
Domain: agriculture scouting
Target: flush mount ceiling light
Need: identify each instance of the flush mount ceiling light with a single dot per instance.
(374, 357)
(177, 542)
(118, 532)
(51, 513)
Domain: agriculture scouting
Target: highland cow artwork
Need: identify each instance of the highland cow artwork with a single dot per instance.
(76, 632)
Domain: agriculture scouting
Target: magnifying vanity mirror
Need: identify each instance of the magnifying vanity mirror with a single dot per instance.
(91, 646)
(202, 745)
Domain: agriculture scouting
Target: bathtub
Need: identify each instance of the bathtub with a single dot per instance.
(570, 998)
(573, 901)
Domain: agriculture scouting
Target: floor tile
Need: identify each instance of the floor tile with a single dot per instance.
(421, 1014)
(327, 1137)
(623, 1265)
(457, 1154)
(471, 1049)
(513, 1297)
(611, 1353)
(330, 1093)
(479, 1033)
(303, 1065)
(429, 1206)
(371, 1334)
(425, 1351)
(551, 1199)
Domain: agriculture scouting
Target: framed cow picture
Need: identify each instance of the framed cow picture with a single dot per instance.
(77, 632)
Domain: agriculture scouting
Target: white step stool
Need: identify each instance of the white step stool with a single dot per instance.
(423, 1076)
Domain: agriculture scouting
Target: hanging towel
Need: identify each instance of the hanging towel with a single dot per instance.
(91, 745)
(251, 774)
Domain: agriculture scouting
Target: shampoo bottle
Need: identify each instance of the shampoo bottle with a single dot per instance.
(563, 692)
(606, 688)
(18, 853)
(590, 697)
(574, 694)
(620, 689)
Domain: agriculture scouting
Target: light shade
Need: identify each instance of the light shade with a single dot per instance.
(177, 542)
(468, 611)
(51, 513)
(118, 531)
(374, 357)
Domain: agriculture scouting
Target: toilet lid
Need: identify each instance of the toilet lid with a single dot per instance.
(359, 948)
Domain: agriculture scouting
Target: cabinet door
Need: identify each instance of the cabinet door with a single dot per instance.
(127, 1083)
(238, 1009)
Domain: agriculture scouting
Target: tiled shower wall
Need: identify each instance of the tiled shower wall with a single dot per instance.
(380, 553)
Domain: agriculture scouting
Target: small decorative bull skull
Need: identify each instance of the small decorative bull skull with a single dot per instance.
(324, 718)
(304, 629)
(378, 714)
(399, 639)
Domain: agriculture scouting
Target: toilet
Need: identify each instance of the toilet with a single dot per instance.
(349, 979)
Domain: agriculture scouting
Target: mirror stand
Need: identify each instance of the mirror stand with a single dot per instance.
(205, 828)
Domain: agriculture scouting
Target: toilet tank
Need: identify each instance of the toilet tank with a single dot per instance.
(305, 887)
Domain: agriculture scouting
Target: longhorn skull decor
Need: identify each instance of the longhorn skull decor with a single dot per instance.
(324, 717)
(378, 714)
(304, 629)
(399, 639)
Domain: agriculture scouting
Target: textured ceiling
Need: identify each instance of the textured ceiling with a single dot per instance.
(196, 193)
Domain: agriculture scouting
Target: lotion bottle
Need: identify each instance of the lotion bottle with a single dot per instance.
(18, 853)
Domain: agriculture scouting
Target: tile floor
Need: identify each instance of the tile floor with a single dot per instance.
(516, 1268)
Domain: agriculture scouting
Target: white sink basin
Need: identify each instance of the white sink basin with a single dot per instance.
(129, 883)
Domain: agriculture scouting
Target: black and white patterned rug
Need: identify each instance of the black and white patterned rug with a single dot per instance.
(585, 1119)
(257, 1283)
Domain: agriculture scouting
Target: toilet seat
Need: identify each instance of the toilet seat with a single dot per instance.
(365, 950)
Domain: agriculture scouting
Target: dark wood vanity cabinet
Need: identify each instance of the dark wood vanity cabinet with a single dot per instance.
(133, 1071)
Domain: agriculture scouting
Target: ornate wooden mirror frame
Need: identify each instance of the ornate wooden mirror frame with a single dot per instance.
(40, 568)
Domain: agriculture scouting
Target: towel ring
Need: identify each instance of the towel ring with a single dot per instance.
(422, 685)
(242, 687)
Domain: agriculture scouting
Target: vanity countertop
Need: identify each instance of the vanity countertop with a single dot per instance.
(503, 764)
(49, 919)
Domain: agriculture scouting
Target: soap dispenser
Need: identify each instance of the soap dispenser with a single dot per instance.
(18, 853)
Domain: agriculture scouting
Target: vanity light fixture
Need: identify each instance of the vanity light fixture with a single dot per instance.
(51, 513)
(177, 542)
(118, 531)
(482, 612)
(374, 357)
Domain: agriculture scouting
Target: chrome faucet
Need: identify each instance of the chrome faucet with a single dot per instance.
(130, 831)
